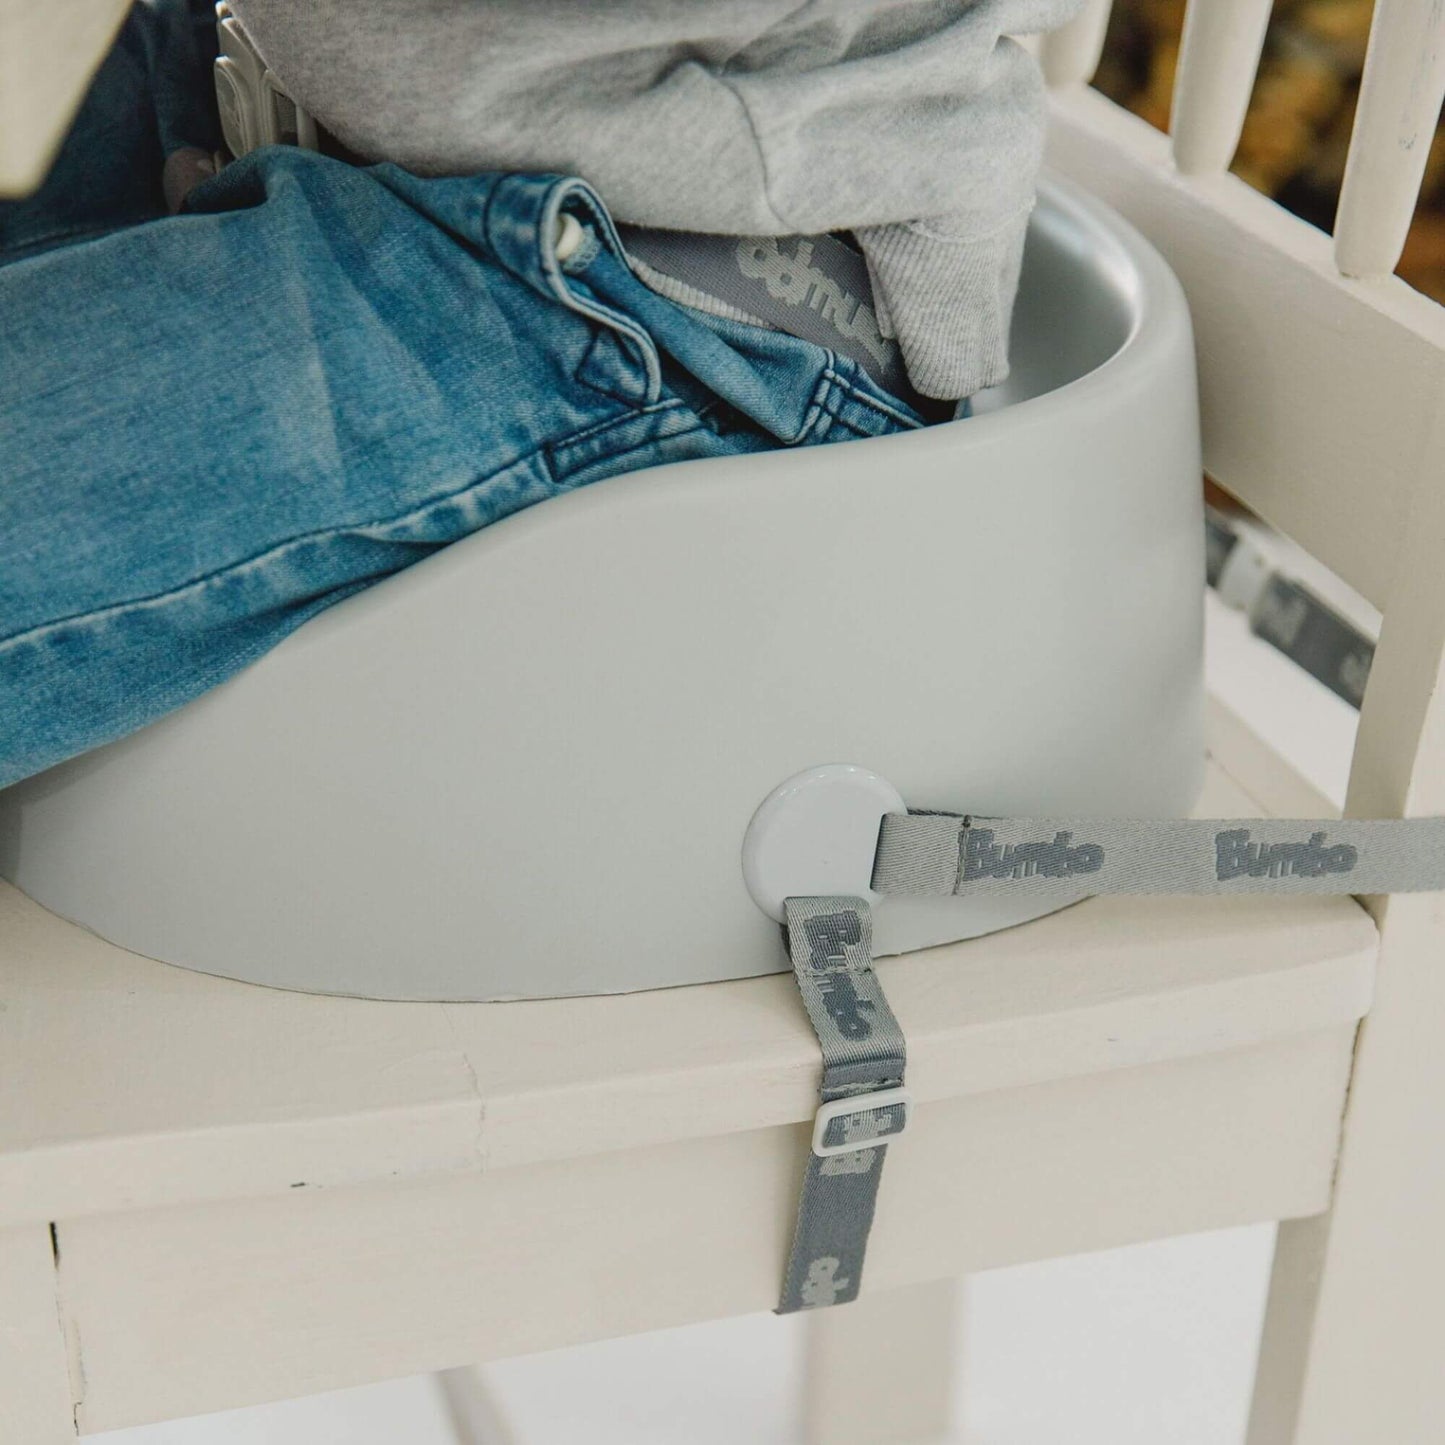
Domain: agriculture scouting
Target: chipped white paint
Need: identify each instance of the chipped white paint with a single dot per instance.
(1399, 107)
(36, 1395)
(202, 1307)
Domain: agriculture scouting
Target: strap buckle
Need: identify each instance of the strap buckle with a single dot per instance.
(864, 1134)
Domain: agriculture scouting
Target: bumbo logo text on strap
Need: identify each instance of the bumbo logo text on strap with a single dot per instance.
(1236, 857)
(829, 937)
(795, 281)
(1061, 858)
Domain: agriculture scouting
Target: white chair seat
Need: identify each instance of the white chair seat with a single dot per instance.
(371, 1189)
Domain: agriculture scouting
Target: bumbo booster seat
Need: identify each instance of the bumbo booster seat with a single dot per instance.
(720, 688)
(404, 800)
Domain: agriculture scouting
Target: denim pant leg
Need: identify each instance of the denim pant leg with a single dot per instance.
(218, 424)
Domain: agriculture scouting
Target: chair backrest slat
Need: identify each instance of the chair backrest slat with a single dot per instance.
(1400, 98)
(1218, 58)
(1070, 54)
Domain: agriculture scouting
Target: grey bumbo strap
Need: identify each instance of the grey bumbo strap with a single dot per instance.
(929, 854)
(830, 943)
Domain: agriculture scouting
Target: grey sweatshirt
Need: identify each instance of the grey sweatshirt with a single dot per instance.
(914, 123)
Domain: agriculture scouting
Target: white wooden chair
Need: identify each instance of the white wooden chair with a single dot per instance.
(213, 1194)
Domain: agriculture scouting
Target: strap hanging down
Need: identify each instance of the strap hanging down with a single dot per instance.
(922, 854)
(830, 943)
(933, 854)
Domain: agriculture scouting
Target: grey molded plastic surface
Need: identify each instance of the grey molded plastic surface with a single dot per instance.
(525, 767)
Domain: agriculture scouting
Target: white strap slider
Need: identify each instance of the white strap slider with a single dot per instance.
(864, 1134)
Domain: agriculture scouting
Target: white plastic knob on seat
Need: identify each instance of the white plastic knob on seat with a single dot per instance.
(815, 835)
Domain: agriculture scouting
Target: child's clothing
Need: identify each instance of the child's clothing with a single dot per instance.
(916, 124)
(216, 425)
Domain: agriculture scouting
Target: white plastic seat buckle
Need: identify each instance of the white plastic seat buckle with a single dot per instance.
(864, 1134)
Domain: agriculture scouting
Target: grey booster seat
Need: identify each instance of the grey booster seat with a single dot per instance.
(1000, 615)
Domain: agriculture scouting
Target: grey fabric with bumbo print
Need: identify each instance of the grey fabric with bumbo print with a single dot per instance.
(930, 854)
(921, 854)
(830, 943)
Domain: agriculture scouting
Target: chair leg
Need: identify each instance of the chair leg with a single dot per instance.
(880, 1371)
(1289, 1319)
(35, 1393)
(1353, 1334)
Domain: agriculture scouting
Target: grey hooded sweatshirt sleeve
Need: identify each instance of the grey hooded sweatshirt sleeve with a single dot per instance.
(917, 124)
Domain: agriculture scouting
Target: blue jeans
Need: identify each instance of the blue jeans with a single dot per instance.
(216, 425)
